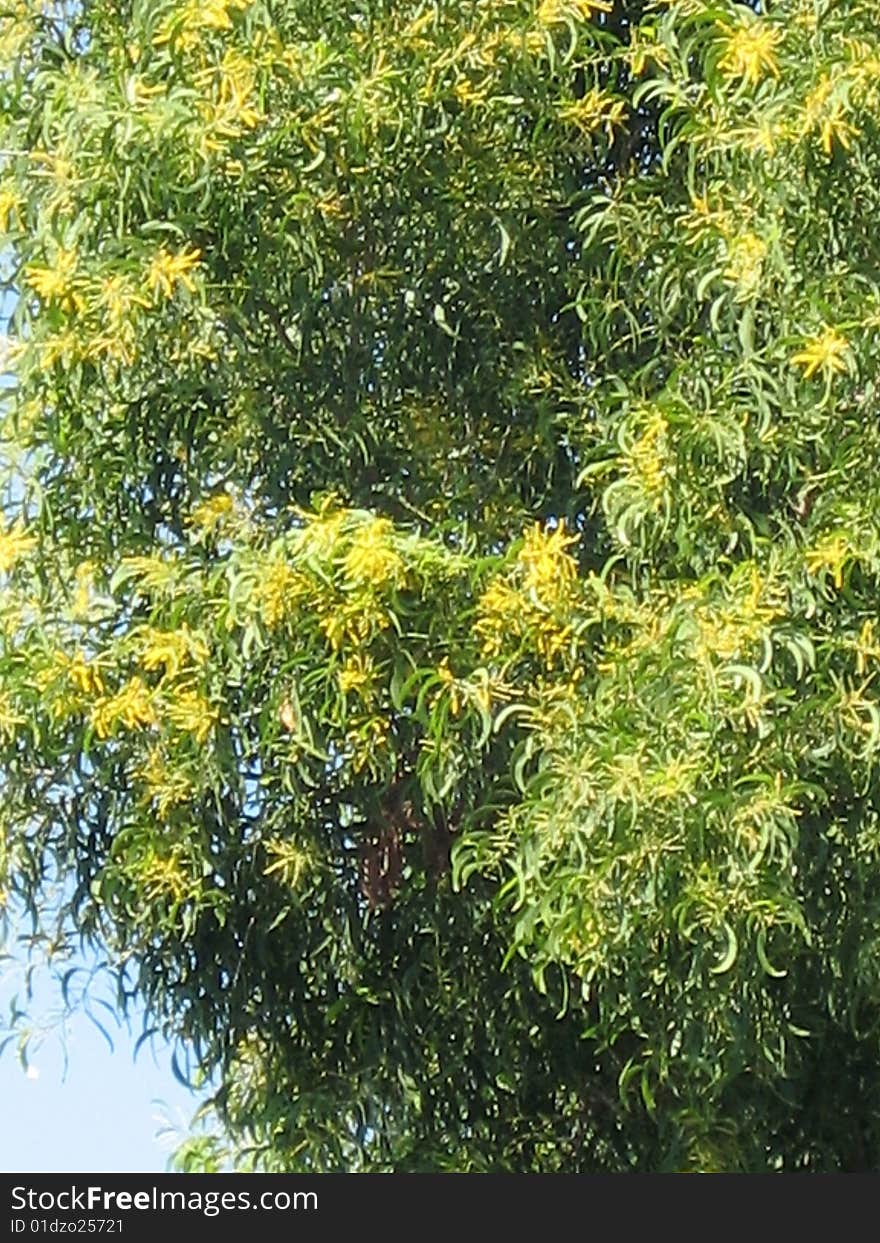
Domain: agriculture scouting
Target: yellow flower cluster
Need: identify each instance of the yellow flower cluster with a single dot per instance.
(552, 12)
(164, 786)
(288, 862)
(85, 675)
(14, 545)
(648, 459)
(827, 353)
(354, 621)
(371, 559)
(233, 106)
(10, 718)
(460, 690)
(211, 514)
(500, 612)
(830, 556)
(750, 52)
(533, 602)
(117, 301)
(825, 110)
(357, 674)
(745, 264)
(191, 713)
(170, 650)
(132, 707)
(548, 569)
(185, 26)
(726, 630)
(278, 592)
(596, 110)
(166, 875)
(9, 209)
(166, 271)
(156, 573)
(59, 282)
(867, 647)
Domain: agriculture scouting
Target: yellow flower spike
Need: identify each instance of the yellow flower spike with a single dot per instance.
(167, 271)
(288, 861)
(825, 110)
(500, 609)
(750, 52)
(450, 686)
(828, 353)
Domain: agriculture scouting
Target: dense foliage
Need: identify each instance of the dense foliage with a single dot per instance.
(438, 587)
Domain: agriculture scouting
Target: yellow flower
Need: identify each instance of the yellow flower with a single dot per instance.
(85, 675)
(169, 650)
(648, 457)
(277, 592)
(85, 582)
(867, 647)
(167, 270)
(827, 353)
(9, 208)
(830, 554)
(289, 862)
(232, 110)
(14, 544)
(596, 110)
(370, 557)
(192, 714)
(118, 298)
(551, 12)
(450, 685)
(356, 674)
(548, 569)
(750, 52)
(500, 610)
(212, 513)
(131, 707)
(157, 574)
(833, 128)
(159, 875)
(58, 283)
(824, 109)
(745, 261)
(183, 27)
(9, 718)
(165, 786)
(63, 347)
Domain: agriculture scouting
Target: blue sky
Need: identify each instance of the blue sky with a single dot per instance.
(102, 1113)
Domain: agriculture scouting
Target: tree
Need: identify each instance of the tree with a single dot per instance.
(439, 598)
